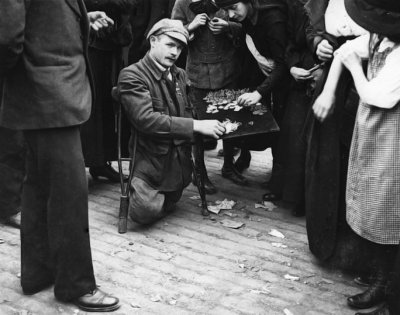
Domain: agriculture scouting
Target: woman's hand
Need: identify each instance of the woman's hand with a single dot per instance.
(218, 26)
(199, 20)
(300, 74)
(324, 105)
(248, 99)
(324, 51)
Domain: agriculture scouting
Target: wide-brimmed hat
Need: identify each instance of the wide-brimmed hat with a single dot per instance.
(172, 28)
(376, 16)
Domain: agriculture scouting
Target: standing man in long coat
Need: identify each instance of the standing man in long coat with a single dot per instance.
(46, 93)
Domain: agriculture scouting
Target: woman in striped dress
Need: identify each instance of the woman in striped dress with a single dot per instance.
(373, 182)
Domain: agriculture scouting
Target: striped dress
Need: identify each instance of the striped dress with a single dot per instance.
(373, 182)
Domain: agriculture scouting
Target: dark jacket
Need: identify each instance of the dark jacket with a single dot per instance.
(298, 50)
(270, 38)
(119, 12)
(213, 60)
(46, 82)
(163, 122)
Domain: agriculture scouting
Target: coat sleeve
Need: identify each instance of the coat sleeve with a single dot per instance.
(12, 30)
(276, 37)
(138, 104)
(119, 5)
(179, 12)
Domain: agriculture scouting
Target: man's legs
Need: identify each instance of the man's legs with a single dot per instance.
(147, 205)
(54, 229)
(12, 165)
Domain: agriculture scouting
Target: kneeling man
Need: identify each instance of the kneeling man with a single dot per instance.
(154, 97)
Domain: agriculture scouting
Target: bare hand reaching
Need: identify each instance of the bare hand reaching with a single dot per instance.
(99, 21)
(212, 128)
(300, 74)
(199, 20)
(248, 99)
(324, 50)
(324, 105)
(218, 26)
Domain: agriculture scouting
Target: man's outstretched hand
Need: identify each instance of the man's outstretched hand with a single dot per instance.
(99, 21)
(211, 128)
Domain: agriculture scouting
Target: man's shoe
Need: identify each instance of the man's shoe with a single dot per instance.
(97, 301)
(374, 295)
(382, 310)
(106, 171)
(14, 220)
(271, 196)
(243, 162)
(232, 174)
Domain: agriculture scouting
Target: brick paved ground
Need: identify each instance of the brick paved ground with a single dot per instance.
(187, 264)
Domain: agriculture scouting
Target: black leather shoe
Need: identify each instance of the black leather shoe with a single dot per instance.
(209, 187)
(374, 295)
(270, 196)
(232, 174)
(382, 310)
(106, 171)
(243, 162)
(97, 301)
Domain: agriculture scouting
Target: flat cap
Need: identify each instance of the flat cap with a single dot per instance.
(172, 28)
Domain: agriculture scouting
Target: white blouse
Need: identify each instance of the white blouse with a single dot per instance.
(384, 89)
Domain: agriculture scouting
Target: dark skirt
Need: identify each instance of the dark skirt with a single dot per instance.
(293, 149)
(326, 167)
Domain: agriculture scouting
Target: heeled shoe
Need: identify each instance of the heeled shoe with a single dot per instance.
(243, 162)
(97, 301)
(271, 196)
(232, 174)
(382, 310)
(374, 295)
(106, 171)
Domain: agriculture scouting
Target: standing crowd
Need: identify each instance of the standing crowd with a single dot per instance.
(326, 69)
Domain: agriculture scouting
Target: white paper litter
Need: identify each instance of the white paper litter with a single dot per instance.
(276, 233)
(287, 312)
(232, 224)
(278, 245)
(291, 278)
(196, 197)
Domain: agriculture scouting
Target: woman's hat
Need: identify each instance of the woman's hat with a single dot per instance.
(226, 3)
(376, 16)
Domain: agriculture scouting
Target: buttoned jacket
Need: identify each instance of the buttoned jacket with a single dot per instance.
(43, 62)
(163, 122)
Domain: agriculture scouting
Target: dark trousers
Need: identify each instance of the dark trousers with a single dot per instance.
(55, 244)
(12, 170)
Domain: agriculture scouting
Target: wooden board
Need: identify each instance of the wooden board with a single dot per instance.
(251, 124)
